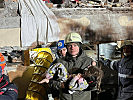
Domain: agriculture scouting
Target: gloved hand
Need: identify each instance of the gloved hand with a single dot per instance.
(106, 62)
(102, 59)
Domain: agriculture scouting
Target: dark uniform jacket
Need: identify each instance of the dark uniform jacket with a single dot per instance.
(8, 91)
(125, 76)
(74, 66)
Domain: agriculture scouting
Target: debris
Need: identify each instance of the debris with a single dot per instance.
(93, 4)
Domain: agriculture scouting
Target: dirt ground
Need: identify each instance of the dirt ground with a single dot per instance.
(21, 76)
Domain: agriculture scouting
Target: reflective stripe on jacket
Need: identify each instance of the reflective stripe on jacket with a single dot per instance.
(125, 76)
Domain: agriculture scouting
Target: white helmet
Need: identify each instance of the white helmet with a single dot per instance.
(73, 37)
(126, 43)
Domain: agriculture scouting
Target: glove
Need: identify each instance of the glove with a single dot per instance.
(106, 62)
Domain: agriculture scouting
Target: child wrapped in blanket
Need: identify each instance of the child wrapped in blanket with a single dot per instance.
(78, 81)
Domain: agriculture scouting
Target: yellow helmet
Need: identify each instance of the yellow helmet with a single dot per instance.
(126, 42)
(73, 37)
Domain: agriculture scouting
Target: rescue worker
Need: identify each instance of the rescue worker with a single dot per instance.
(75, 61)
(8, 91)
(124, 67)
(59, 52)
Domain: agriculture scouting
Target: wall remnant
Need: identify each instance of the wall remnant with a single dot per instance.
(94, 24)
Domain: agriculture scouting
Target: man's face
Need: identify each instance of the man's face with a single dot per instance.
(127, 50)
(73, 49)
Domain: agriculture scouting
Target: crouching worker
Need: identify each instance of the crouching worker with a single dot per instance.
(8, 91)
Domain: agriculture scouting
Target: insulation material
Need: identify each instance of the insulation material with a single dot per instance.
(38, 23)
(42, 62)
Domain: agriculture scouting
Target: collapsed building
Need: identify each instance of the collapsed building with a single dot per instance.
(96, 21)
(116, 20)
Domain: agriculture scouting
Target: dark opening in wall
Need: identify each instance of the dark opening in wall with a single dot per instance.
(1, 3)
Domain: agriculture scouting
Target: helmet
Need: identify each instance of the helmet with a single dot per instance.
(73, 37)
(125, 43)
(60, 44)
(2, 64)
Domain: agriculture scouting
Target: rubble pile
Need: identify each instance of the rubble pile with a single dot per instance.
(94, 4)
(10, 9)
(12, 54)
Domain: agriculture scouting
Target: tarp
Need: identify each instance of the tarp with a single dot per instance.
(38, 23)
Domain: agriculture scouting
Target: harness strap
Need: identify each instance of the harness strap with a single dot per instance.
(125, 76)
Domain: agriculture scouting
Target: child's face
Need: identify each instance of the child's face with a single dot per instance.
(79, 75)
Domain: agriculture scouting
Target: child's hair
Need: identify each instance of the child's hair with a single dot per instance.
(96, 72)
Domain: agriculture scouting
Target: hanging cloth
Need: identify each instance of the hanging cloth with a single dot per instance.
(38, 23)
